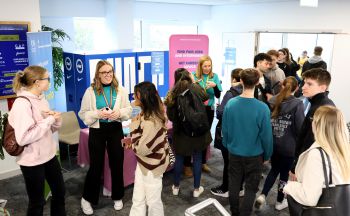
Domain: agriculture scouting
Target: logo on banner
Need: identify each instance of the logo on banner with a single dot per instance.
(68, 63)
(80, 79)
(79, 66)
(69, 76)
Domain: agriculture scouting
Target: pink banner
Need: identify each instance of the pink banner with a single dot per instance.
(185, 51)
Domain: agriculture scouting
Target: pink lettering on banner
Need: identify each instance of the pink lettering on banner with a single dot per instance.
(185, 51)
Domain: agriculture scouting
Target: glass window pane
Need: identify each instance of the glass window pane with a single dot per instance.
(269, 41)
(298, 42)
(90, 34)
(156, 34)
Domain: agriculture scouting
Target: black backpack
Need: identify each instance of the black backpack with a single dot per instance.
(192, 115)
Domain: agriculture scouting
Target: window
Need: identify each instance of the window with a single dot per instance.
(90, 34)
(154, 35)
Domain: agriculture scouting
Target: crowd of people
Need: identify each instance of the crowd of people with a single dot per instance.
(277, 112)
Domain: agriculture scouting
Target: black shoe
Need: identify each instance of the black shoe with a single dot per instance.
(219, 192)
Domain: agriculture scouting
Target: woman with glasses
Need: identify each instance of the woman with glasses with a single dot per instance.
(34, 124)
(104, 106)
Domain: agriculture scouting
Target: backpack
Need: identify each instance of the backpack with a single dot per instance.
(192, 114)
(9, 141)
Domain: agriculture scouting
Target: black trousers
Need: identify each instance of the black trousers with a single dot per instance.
(34, 177)
(210, 116)
(249, 169)
(108, 136)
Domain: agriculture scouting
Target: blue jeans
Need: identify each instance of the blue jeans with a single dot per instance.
(197, 169)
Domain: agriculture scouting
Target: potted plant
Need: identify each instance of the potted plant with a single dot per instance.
(57, 37)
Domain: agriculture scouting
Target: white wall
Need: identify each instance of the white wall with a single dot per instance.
(330, 16)
(17, 10)
(340, 88)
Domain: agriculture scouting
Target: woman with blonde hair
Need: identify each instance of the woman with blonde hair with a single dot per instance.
(286, 120)
(104, 106)
(34, 123)
(332, 136)
(211, 83)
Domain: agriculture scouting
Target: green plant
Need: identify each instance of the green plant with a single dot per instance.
(3, 119)
(57, 37)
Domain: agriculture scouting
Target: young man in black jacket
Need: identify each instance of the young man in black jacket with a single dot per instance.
(315, 90)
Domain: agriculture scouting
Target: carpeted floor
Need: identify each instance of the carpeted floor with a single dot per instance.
(13, 190)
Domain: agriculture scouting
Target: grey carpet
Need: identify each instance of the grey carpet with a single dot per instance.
(13, 189)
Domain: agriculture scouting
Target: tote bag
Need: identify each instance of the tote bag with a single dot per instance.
(334, 200)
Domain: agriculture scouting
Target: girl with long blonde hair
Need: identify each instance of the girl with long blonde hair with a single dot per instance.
(332, 136)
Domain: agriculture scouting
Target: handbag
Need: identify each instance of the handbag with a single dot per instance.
(334, 200)
(171, 157)
(9, 139)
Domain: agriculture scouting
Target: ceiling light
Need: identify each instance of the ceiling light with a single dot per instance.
(308, 3)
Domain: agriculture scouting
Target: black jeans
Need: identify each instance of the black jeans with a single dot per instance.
(249, 169)
(108, 135)
(34, 177)
(280, 165)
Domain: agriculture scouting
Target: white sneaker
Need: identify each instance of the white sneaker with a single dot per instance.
(86, 207)
(281, 205)
(198, 192)
(118, 204)
(241, 193)
(260, 201)
(175, 190)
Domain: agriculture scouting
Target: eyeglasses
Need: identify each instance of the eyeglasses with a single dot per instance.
(48, 79)
(105, 73)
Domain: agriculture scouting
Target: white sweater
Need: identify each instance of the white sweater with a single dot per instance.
(88, 110)
(309, 172)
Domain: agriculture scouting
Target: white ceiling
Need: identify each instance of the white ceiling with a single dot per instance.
(214, 2)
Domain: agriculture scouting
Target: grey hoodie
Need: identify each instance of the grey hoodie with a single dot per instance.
(286, 126)
(314, 62)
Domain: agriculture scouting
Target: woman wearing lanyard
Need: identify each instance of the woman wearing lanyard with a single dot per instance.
(208, 80)
(104, 105)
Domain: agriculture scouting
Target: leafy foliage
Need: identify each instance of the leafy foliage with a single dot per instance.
(3, 117)
(57, 37)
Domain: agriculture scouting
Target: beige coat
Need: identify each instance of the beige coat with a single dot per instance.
(88, 111)
(309, 172)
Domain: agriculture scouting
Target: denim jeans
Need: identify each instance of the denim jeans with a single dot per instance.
(249, 168)
(197, 169)
(280, 165)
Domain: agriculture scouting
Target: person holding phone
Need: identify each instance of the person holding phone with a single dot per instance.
(104, 106)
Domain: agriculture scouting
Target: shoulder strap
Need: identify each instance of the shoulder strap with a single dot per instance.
(234, 92)
(322, 152)
(31, 107)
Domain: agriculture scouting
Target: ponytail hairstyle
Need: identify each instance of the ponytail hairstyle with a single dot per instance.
(151, 104)
(332, 135)
(27, 77)
(289, 85)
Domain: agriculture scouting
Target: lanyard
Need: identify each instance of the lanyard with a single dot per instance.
(104, 96)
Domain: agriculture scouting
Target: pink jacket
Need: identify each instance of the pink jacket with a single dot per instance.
(36, 137)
